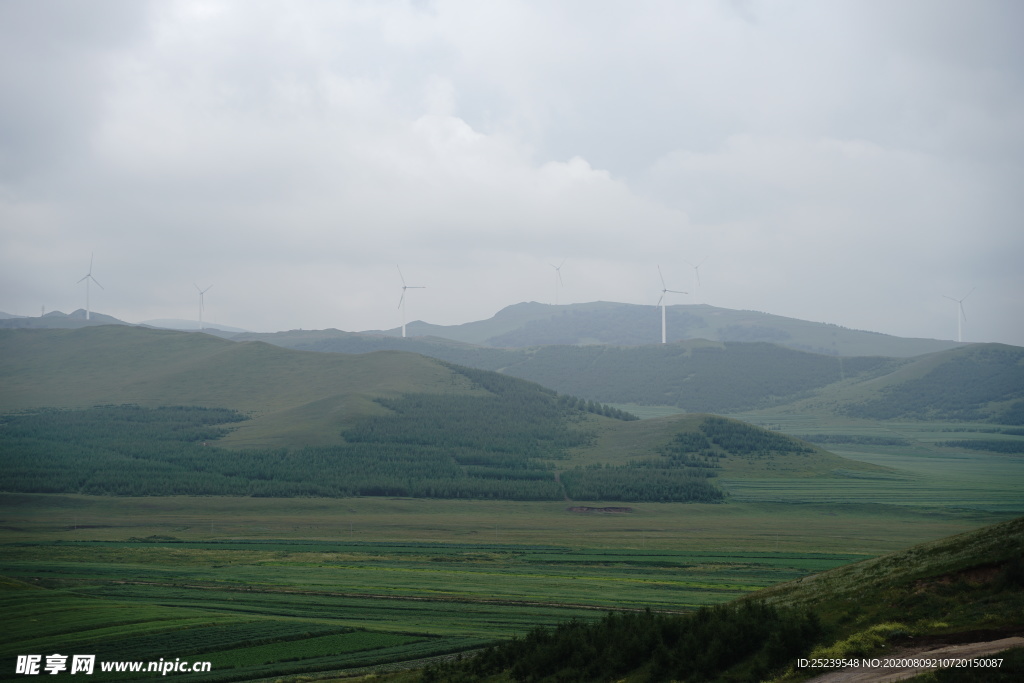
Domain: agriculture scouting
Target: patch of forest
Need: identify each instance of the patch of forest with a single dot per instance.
(745, 641)
(959, 389)
(496, 445)
(684, 467)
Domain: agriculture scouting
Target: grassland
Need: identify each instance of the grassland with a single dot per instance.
(367, 583)
(339, 585)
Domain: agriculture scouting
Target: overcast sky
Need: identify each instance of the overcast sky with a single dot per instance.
(844, 162)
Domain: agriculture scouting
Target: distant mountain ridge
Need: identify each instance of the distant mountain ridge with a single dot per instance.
(601, 322)
(532, 324)
(60, 320)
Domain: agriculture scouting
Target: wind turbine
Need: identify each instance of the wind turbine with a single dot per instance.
(87, 278)
(661, 302)
(696, 277)
(960, 315)
(201, 303)
(558, 278)
(401, 302)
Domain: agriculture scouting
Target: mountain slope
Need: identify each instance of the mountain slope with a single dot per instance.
(115, 365)
(382, 423)
(978, 382)
(602, 322)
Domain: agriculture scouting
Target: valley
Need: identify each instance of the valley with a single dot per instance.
(256, 526)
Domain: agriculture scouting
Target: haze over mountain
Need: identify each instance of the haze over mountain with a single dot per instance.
(602, 322)
(531, 324)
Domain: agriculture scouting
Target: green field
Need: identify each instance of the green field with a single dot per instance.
(267, 587)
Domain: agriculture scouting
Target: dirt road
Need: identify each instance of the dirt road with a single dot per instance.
(884, 675)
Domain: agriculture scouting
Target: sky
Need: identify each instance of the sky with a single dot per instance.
(850, 162)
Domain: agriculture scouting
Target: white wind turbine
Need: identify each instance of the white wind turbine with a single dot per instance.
(87, 278)
(401, 302)
(661, 302)
(696, 277)
(202, 304)
(960, 315)
(558, 278)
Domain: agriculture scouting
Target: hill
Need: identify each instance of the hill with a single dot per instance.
(533, 324)
(165, 405)
(965, 588)
(695, 375)
(977, 382)
(59, 320)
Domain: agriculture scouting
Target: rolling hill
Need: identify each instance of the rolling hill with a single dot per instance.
(383, 423)
(146, 367)
(977, 382)
(534, 324)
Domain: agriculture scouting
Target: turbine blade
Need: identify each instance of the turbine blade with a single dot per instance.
(401, 276)
(97, 283)
(663, 286)
(660, 298)
(402, 299)
(962, 308)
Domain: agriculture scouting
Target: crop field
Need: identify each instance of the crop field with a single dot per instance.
(269, 587)
(261, 608)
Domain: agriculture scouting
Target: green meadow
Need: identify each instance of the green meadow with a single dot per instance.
(264, 588)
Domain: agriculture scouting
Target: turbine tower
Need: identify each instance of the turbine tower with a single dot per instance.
(960, 315)
(401, 302)
(86, 279)
(558, 278)
(201, 303)
(696, 277)
(661, 302)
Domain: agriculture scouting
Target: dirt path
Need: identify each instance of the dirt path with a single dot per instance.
(884, 675)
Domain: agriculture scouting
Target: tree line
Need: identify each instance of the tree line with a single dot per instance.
(748, 641)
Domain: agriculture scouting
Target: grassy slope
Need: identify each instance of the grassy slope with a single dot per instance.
(619, 442)
(296, 398)
(705, 376)
(963, 588)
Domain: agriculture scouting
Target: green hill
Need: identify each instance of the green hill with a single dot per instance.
(601, 322)
(965, 588)
(146, 367)
(158, 410)
(695, 375)
(979, 382)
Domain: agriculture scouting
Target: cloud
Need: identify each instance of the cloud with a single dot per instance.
(820, 156)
